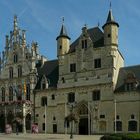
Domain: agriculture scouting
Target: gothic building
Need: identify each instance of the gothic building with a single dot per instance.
(89, 84)
(17, 79)
(87, 88)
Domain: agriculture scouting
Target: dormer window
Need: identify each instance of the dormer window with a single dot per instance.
(130, 82)
(44, 83)
(15, 58)
(84, 44)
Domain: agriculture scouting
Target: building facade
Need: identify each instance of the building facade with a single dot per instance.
(91, 85)
(17, 80)
(87, 90)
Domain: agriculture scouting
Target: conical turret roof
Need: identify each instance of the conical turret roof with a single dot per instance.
(110, 19)
(63, 33)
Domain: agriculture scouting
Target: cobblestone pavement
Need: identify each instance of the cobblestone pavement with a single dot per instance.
(47, 137)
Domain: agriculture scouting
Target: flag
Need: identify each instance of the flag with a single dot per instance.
(24, 88)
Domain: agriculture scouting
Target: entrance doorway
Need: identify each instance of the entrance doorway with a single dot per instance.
(83, 126)
(28, 122)
(54, 128)
(2, 123)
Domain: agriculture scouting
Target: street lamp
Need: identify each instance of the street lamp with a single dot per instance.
(71, 118)
(71, 113)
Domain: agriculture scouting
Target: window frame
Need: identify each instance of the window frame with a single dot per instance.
(97, 63)
(96, 95)
(71, 97)
(73, 67)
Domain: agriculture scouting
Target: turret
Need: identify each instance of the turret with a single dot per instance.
(62, 41)
(110, 30)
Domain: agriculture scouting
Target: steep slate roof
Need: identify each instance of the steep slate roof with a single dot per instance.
(63, 33)
(110, 19)
(123, 75)
(96, 36)
(50, 70)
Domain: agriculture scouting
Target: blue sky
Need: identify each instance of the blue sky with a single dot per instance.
(42, 21)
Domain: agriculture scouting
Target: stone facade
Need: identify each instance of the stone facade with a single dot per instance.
(105, 95)
(87, 90)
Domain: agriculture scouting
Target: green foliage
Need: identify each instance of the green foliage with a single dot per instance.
(121, 137)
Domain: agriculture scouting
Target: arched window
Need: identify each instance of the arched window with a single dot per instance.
(118, 126)
(10, 72)
(10, 94)
(132, 125)
(19, 71)
(3, 94)
(28, 92)
(15, 58)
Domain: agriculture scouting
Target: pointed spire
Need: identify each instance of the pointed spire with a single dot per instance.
(63, 31)
(15, 23)
(110, 18)
(23, 38)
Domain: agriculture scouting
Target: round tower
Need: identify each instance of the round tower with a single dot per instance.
(63, 40)
(110, 30)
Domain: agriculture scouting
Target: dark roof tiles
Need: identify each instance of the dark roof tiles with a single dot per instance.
(96, 36)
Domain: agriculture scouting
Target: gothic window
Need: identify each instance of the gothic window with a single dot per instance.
(97, 63)
(96, 95)
(3, 94)
(15, 58)
(10, 94)
(118, 126)
(73, 67)
(44, 101)
(84, 44)
(132, 125)
(71, 97)
(60, 47)
(10, 72)
(28, 92)
(19, 71)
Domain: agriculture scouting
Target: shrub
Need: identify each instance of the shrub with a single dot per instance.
(121, 137)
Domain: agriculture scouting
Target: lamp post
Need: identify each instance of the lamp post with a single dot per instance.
(71, 113)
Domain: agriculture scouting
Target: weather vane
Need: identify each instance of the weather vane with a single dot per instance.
(110, 4)
(63, 19)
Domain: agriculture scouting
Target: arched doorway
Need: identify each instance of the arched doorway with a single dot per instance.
(2, 123)
(28, 122)
(83, 118)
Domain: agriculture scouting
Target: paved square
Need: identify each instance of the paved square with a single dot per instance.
(47, 137)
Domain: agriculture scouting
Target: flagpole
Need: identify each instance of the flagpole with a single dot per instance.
(65, 117)
(45, 119)
(115, 114)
